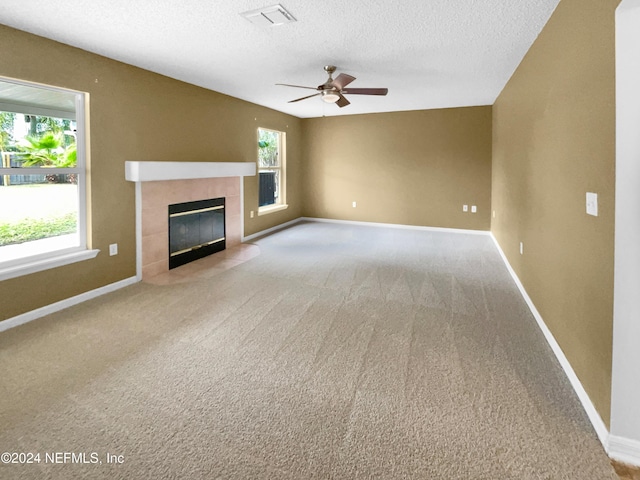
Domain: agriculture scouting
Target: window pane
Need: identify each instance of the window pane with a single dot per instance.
(268, 146)
(268, 191)
(42, 206)
(39, 214)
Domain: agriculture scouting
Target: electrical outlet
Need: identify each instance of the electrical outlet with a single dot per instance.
(251, 213)
(474, 209)
(353, 204)
(592, 204)
(494, 214)
(465, 208)
(113, 249)
(521, 248)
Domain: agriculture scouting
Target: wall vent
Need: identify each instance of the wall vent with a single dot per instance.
(268, 16)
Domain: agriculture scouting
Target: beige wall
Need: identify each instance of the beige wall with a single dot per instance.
(553, 141)
(411, 168)
(135, 115)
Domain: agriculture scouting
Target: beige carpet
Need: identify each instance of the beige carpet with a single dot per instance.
(339, 352)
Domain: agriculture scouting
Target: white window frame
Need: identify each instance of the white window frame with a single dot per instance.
(24, 265)
(281, 204)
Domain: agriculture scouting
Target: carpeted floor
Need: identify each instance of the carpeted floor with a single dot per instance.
(339, 352)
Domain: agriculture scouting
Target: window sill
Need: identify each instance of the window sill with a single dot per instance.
(46, 263)
(271, 209)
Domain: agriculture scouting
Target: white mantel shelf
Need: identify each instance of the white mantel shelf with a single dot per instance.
(154, 171)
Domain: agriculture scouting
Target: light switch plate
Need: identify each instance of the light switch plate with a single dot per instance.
(592, 204)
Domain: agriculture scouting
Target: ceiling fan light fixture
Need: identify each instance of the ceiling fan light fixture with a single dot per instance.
(330, 96)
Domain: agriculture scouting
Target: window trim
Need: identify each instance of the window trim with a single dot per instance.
(50, 261)
(276, 207)
(55, 258)
(282, 153)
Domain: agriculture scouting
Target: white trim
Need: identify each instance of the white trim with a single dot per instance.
(367, 224)
(42, 171)
(139, 231)
(82, 153)
(155, 171)
(624, 450)
(241, 208)
(272, 208)
(262, 233)
(61, 305)
(592, 413)
(50, 261)
(625, 387)
(397, 225)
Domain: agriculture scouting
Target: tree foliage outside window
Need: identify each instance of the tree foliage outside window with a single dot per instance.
(268, 142)
(50, 142)
(47, 150)
(7, 120)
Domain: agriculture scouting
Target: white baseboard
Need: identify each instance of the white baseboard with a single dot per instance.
(587, 404)
(261, 233)
(367, 224)
(61, 305)
(624, 450)
(396, 225)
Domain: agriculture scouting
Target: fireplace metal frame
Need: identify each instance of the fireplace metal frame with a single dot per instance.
(195, 252)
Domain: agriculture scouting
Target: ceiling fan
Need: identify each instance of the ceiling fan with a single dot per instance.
(334, 91)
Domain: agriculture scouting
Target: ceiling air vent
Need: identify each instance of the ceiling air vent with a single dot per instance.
(267, 16)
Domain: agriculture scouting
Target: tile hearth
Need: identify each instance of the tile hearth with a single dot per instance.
(206, 267)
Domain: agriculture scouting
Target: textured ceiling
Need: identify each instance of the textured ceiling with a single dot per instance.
(429, 53)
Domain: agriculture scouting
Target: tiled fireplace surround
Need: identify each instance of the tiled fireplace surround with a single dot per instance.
(156, 198)
(159, 184)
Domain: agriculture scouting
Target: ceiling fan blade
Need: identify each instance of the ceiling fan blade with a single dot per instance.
(366, 91)
(303, 98)
(342, 101)
(297, 86)
(343, 80)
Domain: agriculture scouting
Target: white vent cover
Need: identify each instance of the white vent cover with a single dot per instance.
(268, 16)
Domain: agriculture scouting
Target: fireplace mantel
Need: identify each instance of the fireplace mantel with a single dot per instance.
(154, 171)
(158, 184)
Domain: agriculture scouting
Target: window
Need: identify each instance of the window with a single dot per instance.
(271, 171)
(42, 178)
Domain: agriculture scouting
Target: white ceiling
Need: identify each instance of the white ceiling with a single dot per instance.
(429, 53)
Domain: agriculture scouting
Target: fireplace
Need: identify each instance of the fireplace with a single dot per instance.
(160, 184)
(196, 230)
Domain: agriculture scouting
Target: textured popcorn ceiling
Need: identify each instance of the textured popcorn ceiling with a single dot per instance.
(429, 53)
